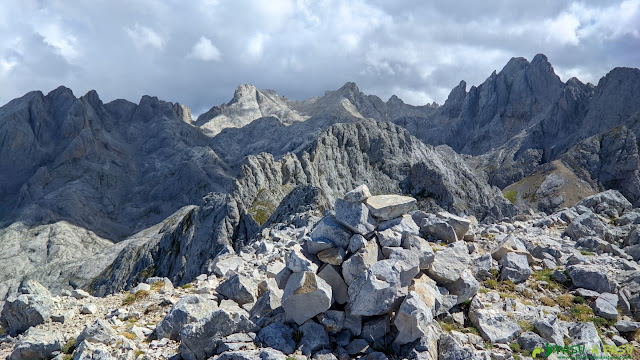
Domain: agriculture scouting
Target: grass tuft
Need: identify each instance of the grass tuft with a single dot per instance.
(137, 296)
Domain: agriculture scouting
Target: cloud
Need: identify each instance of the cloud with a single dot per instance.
(205, 50)
(144, 36)
(416, 50)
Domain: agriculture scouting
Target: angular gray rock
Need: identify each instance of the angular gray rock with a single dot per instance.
(37, 344)
(381, 288)
(354, 216)
(314, 338)
(449, 263)
(493, 325)
(277, 336)
(239, 288)
(328, 228)
(190, 308)
(465, 287)
(530, 340)
(200, 339)
(387, 207)
(515, 267)
(359, 194)
(298, 261)
(606, 306)
(592, 278)
(332, 256)
(360, 261)
(550, 329)
(30, 308)
(459, 224)
(585, 334)
(439, 230)
(421, 247)
(330, 274)
(305, 296)
(98, 332)
(412, 319)
(586, 225)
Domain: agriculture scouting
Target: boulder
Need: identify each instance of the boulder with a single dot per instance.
(494, 325)
(387, 207)
(585, 334)
(37, 344)
(314, 338)
(200, 339)
(332, 320)
(450, 349)
(550, 329)
(606, 306)
(360, 261)
(331, 275)
(439, 230)
(459, 224)
(403, 225)
(239, 288)
(515, 267)
(298, 261)
(356, 243)
(95, 351)
(79, 294)
(30, 308)
(305, 296)
(277, 336)
(592, 278)
(449, 263)
(354, 216)
(585, 225)
(359, 194)
(389, 237)
(268, 302)
(625, 326)
(510, 244)
(381, 288)
(530, 340)
(422, 248)
(481, 267)
(610, 199)
(465, 287)
(98, 332)
(329, 229)
(225, 263)
(333, 256)
(190, 308)
(88, 309)
(412, 319)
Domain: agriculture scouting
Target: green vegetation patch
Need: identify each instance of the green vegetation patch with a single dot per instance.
(511, 196)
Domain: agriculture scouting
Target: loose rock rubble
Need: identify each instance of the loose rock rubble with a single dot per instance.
(375, 279)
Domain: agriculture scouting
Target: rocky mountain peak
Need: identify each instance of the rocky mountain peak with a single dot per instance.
(243, 93)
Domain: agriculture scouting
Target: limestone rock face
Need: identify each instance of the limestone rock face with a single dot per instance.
(412, 319)
(387, 207)
(37, 344)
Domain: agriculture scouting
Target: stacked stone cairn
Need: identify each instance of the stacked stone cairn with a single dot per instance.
(369, 279)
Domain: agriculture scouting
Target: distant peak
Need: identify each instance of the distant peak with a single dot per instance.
(349, 86)
(395, 100)
(60, 91)
(514, 65)
(540, 58)
(243, 91)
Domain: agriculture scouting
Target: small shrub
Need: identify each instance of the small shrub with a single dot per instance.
(138, 295)
(578, 300)
(600, 321)
(565, 300)
(156, 286)
(187, 286)
(582, 313)
(508, 285)
(2, 331)
(67, 357)
(547, 301)
(491, 284)
(587, 253)
(515, 347)
(138, 353)
(525, 325)
(128, 335)
(69, 346)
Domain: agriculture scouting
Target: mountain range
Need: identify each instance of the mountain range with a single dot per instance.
(101, 196)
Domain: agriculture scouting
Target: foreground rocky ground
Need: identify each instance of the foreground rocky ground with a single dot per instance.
(374, 279)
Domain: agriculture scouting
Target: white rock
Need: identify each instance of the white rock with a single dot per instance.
(305, 296)
(412, 319)
(387, 207)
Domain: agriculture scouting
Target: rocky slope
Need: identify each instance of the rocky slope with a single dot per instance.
(448, 288)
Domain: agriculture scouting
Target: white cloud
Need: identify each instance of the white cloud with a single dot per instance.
(255, 46)
(6, 65)
(205, 50)
(144, 36)
(63, 41)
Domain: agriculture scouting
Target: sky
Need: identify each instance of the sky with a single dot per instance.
(197, 52)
